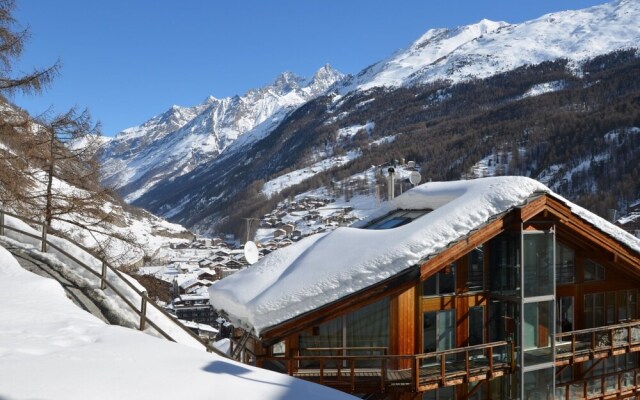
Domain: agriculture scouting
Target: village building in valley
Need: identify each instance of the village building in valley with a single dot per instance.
(495, 288)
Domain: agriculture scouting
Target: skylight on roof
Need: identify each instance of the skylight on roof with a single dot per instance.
(396, 218)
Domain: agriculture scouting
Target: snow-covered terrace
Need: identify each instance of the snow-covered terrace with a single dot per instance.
(323, 268)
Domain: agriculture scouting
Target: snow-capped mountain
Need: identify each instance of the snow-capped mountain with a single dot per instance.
(175, 142)
(487, 47)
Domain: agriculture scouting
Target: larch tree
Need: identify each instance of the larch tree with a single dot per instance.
(14, 124)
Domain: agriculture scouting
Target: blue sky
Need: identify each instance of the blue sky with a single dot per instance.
(128, 60)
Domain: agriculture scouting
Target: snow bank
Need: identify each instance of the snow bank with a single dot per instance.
(51, 349)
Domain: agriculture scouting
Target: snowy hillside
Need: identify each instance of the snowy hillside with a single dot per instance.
(487, 48)
(51, 349)
(177, 141)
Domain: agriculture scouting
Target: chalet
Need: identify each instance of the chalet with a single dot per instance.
(235, 264)
(279, 233)
(194, 308)
(495, 288)
(288, 228)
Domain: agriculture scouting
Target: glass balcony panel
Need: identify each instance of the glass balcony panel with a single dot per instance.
(538, 268)
(537, 333)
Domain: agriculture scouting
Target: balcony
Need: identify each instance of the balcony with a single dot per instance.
(591, 344)
(372, 370)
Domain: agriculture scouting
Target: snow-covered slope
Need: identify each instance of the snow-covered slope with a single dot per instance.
(487, 48)
(175, 142)
(51, 349)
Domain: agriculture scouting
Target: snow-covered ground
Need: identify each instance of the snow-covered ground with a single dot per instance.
(293, 178)
(51, 349)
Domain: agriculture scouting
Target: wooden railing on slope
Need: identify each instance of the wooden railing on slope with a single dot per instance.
(104, 281)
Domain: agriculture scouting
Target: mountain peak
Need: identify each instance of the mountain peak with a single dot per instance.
(287, 81)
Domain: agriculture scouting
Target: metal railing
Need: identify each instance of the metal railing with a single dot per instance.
(380, 372)
(103, 278)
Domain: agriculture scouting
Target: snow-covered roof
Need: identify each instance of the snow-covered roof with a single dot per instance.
(323, 268)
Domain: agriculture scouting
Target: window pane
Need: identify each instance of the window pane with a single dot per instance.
(537, 332)
(564, 314)
(447, 280)
(611, 307)
(588, 311)
(593, 271)
(430, 286)
(429, 331)
(446, 329)
(476, 325)
(538, 264)
(623, 306)
(565, 265)
(475, 276)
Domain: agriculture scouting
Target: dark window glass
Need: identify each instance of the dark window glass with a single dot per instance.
(476, 325)
(396, 218)
(593, 271)
(475, 275)
(565, 265)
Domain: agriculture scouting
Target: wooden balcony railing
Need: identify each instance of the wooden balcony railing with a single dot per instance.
(350, 370)
(613, 385)
(594, 343)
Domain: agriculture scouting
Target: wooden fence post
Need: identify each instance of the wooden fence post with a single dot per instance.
(143, 313)
(1, 223)
(44, 238)
(103, 278)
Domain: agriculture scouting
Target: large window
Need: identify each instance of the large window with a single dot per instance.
(609, 308)
(441, 283)
(366, 327)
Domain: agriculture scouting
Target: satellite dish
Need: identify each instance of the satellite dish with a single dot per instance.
(251, 252)
(415, 177)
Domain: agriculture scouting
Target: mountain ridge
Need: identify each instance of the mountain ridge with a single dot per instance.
(173, 143)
